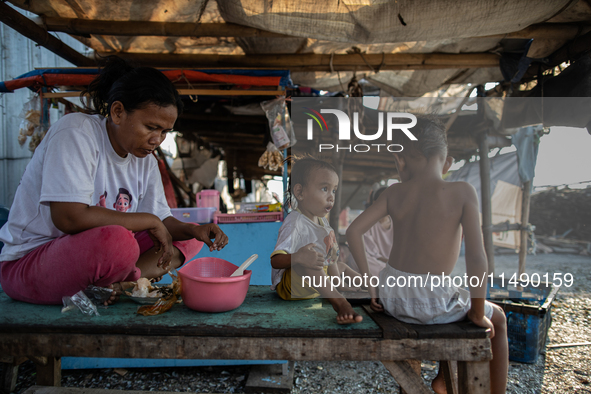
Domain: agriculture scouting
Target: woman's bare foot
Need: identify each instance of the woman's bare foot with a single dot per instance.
(118, 289)
(345, 312)
(438, 384)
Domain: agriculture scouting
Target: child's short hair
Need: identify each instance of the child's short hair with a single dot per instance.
(301, 168)
(431, 138)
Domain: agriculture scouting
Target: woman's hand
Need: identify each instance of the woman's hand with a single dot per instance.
(307, 257)
(162, 242)
(207, 232)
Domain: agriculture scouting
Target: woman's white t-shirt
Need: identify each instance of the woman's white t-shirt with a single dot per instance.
(76, 162)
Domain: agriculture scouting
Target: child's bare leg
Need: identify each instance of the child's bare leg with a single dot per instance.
(438, 384)
(348, 272)
(148, 261)
(345, 312)
(499, 365)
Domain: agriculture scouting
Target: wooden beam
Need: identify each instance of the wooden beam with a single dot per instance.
(85, 27)
(313, 62)
(550, 31)
(236, 348)
(29, 29)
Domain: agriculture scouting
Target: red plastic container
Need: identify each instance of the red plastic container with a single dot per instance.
(206, 285)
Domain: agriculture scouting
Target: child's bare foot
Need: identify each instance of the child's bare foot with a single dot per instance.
(345, 312)
(438, 384)
(118, 289)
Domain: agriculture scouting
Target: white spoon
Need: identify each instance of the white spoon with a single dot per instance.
(243, 266)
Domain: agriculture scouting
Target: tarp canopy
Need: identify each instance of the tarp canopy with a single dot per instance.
(336, 27)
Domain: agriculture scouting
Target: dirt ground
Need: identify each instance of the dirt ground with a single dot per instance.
(558, 370)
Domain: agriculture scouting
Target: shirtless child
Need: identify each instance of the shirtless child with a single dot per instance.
(429, 216)
(306, 244)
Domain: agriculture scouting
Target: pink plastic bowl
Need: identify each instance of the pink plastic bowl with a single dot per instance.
(206, 285)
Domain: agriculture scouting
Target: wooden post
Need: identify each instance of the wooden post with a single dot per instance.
(29, 29)
(337, 161)
(485, 191)
(525, 200)
(49, 371)
(473, 377)
(8, 377)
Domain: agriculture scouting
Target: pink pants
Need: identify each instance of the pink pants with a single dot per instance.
(100, 256)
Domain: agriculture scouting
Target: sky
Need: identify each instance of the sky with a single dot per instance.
(564, 157)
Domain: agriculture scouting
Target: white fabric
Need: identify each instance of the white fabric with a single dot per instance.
(378, 245)
(298, 230)
(416, 304)
(76, 162)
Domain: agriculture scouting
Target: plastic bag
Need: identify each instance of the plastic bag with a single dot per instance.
(31, 124)
(164, 303)
(271, 158)
(87, 300)
(279, 123)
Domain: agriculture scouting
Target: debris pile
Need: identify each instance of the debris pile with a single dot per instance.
(563, 220)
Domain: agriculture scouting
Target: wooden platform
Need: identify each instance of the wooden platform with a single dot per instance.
(263, 328)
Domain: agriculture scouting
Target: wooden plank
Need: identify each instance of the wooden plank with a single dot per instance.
(391, 327)
(75, 390)
(450, 371)
(262, 314)
(270, 378)
(416, 367)
(395, 329)
(406, 377)
(50, 374)
(233, 348)
(473, 377)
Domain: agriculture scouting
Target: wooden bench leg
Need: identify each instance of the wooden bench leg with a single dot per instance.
(49, 371)
(473, 377)
(8, 378)
(407, 377)
(450, 375)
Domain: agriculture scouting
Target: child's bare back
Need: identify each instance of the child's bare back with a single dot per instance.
(428, 214)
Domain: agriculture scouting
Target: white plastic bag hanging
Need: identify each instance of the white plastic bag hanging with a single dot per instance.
(279, 123)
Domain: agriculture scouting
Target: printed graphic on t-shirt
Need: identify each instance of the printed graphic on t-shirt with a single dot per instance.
(332, 248)
(102, 200)
(123, 200)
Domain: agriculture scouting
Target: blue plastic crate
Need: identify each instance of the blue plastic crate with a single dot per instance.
(528, 312)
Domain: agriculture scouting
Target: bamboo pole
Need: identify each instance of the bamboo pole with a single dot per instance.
(485, 191)
(314, 62)
(29, 29)
(525, 202)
